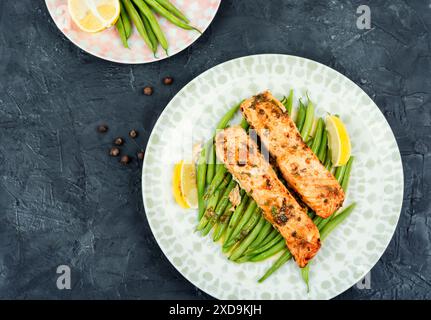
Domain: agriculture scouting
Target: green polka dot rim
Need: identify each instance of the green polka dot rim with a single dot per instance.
(376, 183)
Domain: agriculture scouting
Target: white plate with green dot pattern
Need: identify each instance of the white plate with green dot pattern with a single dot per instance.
(376, 183)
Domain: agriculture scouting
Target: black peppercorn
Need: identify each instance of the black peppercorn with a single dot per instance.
(168, 81)
(114, 152)
(125, 159)
(148, 91)
(133, 134)
(102, 128)
(119, 141)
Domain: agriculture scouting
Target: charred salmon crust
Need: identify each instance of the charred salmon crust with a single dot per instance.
(242, 158)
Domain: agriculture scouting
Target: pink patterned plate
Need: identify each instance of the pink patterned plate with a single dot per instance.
(107, 44)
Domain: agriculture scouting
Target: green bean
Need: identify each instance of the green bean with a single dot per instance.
(143, 7)
(222, 225)
(339, 218)
(265, 247)
(317, 220)
(300, 117)
(134, 15)
(308, 121)
(224, 182)
(251, 223)
(169, 16)
(218, 178)
(311, 214)
(324, 222)
(223, 203)
(244, 124)
(126, 20)
(305, 274)
(218, 167)
(236, 216)
(248, 240)
(339, 173)
(211, 162)
(323, 146)
(286, 256)
(288, 104)
(209, 211)
(200, 181)
(244, 258)
(269, 238)
(346, 177)
(266, 230)
(212, 203)
(248, 227)
(175, 11)
(224, 200)
(212, 218)
(318, 136)
(207, 229)
(150, 32)
(270, 252)
(228, 116)
(225, 248)
(122, 32)
(328, 164)
(242, 223)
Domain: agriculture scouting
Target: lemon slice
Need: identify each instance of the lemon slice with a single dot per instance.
(188, 184)
(338, 141)
(176, 185)
(94, 15)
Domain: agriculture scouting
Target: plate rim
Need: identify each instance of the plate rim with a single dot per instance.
(201, 75)
(126, 61)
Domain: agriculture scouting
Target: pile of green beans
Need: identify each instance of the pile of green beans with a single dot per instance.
(141, 14)
(245, 234)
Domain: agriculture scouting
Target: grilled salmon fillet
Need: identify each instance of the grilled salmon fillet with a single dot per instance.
(302, 170)
(255, 175)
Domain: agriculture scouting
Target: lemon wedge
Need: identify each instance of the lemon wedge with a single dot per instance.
(176, 185)
(94, 15)
(188, 184)
(184, 186)
(338, 141)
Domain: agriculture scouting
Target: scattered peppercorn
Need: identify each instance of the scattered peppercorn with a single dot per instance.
(141, 155)
(133, 134)
(168, 81)
(102, 128)
(148, 91)
(119, 141)
(114, 152)
(125, 159)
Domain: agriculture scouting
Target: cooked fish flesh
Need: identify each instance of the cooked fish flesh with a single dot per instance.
(255, 175)
(302, 170)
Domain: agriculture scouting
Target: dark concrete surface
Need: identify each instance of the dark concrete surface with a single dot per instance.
(64, 201)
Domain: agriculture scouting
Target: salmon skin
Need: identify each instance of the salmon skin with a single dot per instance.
(299, 166)
(255, 175)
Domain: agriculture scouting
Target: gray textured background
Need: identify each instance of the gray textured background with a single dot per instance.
(64, 201)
